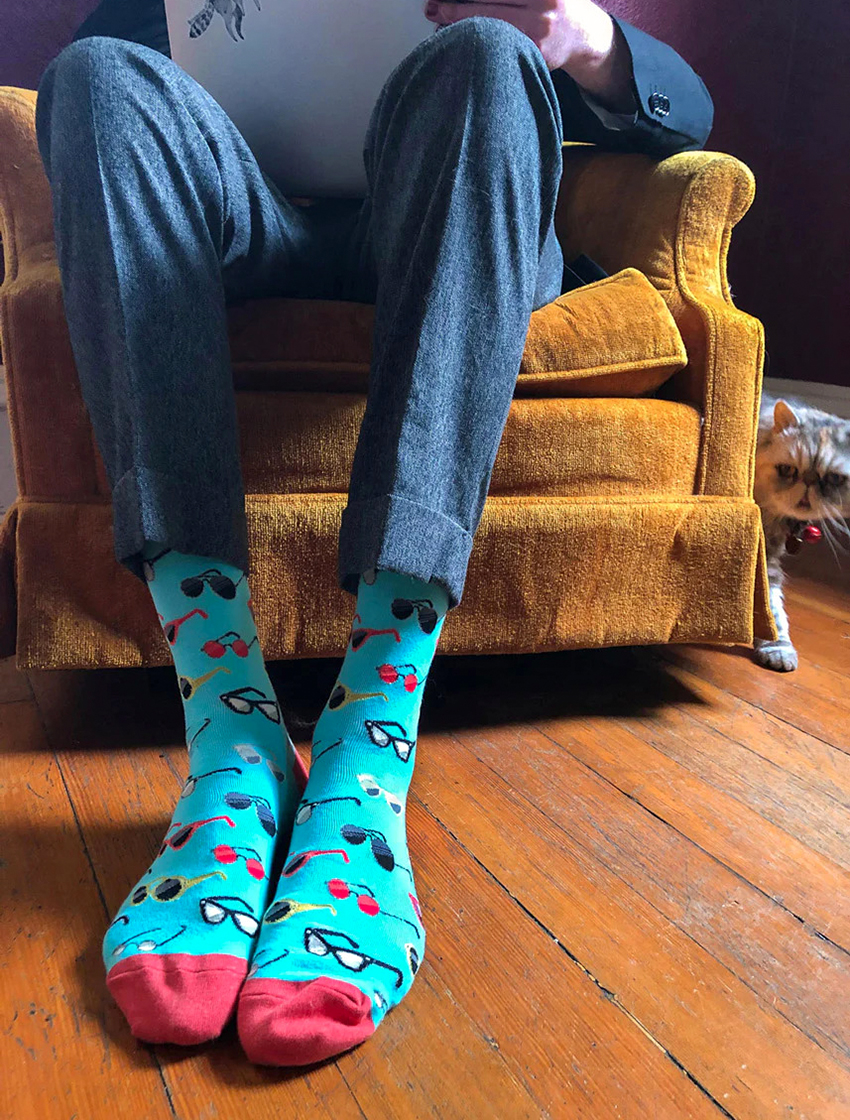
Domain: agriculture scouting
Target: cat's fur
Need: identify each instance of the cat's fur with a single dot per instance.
(802, 475)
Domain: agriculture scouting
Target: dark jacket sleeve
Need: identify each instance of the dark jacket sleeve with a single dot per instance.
(139, 21)
(673, 109)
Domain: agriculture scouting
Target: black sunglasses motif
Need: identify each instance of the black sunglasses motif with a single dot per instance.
(219, 584)
(426, 615)
(381, 737)
(240, 702)
(261, 807)
(349, 956)
(355, 834)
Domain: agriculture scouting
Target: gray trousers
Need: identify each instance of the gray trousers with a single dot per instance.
(162, 218)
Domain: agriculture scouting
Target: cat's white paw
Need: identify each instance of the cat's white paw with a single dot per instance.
(779, 655)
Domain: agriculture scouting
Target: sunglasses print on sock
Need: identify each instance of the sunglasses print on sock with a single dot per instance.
(214, 911)
(253, 757)
(425, 613)
(287, 907)
(187, 831)
(144, 942)
(360, 634)
(355, 834)
(296, 862)
(381, 737)
(315, 757)
(172, 629)
(191, 783)
(200, 731)
(148, 570)
(413, 959)
(168, 888)
(371, 788)
(240, 702)
(349, 956)
(219, 584)
(218, 647)
(261, 807)
(305, 809)
(226, 854)
(258, 963)
(366, 902)
(389, 674)
(190, 685)
(343, 695)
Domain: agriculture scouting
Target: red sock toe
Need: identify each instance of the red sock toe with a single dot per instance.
(177, 997)
(295, 1023)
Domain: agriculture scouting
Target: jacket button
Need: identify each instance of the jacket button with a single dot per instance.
(659, 104)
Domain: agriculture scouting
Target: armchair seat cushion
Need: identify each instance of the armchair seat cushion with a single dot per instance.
(303, 443)
(613, 338)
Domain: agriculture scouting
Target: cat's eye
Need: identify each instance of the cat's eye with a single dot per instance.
(786, 470)
(833, 480)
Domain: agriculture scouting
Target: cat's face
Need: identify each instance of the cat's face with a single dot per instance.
(803, 464)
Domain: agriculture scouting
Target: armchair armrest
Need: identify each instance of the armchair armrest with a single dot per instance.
(673, 220)
(26, 218)
(52, 442)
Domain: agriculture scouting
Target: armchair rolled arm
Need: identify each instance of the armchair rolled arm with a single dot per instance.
(673, 220)
(26, 215)
(52, 442)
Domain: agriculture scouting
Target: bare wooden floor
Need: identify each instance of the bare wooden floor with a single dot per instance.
(633, 864)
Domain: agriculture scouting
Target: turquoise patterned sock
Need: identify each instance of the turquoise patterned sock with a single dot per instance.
(342, 940)
(178, 950)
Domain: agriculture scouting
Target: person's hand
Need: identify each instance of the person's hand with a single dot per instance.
(568, 32)
(573, 35)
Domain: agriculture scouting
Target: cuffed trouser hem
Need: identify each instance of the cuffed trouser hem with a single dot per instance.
(403, 536)
(149, 505)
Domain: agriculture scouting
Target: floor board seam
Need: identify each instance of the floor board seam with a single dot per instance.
(606, 993)
(670, 660)
(839, 1048)
(699, 847)
(81, 833)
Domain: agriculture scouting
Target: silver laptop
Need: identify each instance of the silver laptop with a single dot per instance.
(298, 78)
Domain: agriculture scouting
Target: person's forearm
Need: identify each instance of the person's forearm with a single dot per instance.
(599, 60)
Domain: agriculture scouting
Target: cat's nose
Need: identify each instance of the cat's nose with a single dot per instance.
(811, 478)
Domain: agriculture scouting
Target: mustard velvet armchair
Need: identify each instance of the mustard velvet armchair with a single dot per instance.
(620, 508)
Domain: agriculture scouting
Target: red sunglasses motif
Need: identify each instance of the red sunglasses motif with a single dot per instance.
(389, 674)
(218, 647)
(361, 634)
(172, 629)
(186, 832)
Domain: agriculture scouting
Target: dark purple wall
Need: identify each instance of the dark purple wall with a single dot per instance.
(778, 74)
(32, 33)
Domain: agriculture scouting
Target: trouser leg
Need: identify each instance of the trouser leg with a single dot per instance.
(162, 217)
(463, 159)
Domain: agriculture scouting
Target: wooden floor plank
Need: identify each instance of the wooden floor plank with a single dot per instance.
(788, 801)
(59, 1057)
(822, 768)
(781, 960)
(699, 1011)
(520, 1063)
(574, 1048)
(132, 794)
(811, 698)
(124, 800)
(809, 885)
(614, 849)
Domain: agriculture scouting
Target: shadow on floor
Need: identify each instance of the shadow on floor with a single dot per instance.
(142, 708)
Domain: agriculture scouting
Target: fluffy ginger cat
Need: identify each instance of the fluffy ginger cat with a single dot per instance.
(802, 477)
